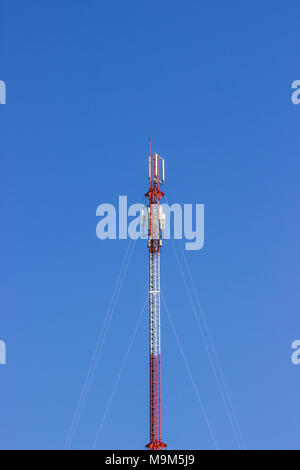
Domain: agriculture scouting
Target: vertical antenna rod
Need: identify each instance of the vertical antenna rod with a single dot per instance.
(155, 234)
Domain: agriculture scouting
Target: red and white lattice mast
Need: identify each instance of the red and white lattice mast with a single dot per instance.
(155, 218)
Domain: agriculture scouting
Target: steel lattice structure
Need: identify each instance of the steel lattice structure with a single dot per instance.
(155, 219)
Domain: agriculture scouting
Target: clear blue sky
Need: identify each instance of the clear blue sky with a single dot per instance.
(87, 83)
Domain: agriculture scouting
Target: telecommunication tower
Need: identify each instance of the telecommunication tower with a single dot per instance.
(156, 224)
